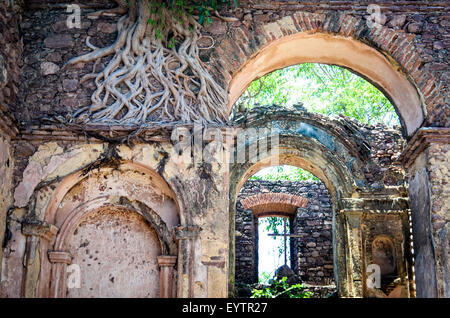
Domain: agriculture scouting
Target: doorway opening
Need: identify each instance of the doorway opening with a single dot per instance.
(274, 246)
(283, 228)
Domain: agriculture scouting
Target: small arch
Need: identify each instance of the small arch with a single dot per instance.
(75, 178)
(383, 254)
(125, 197)
(274, 204)
(307, 153)
(154, 220)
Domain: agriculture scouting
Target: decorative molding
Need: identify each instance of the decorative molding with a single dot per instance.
(421, 140)
(167, 260)
(60, 257)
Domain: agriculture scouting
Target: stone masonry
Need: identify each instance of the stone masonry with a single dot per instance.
(312, 254)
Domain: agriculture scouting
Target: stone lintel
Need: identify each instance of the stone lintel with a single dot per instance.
(421, 140)
(375, 205)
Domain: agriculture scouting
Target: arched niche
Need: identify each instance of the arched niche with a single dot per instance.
(383, 254)
(83, 202)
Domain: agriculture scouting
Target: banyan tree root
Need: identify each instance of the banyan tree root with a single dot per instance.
(155, 73)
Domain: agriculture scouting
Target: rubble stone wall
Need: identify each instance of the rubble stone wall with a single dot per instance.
(416, 33)
(6, 189)
(312, 254)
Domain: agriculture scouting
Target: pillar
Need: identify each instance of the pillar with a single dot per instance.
(166, 264)
(59, 260)
(427, 160)
(186, 237)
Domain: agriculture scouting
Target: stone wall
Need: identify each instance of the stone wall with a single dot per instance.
(47, 89)
(312, 253)
(10, 61)
(6, 190)
(439, 176)
(10, 56)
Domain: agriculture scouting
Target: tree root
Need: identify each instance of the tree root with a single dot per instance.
(155, 74)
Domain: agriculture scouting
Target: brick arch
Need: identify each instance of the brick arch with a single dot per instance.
(385, 57)
(274, 204)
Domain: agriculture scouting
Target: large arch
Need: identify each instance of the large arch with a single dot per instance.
(385, 57)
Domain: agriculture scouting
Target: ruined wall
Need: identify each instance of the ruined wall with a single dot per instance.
(313, 252)
(10, 61)
(202, 267)
(44, 88)
(47, 89)
(6, 190)
(10, 56)
(428, 179)
(439, 176)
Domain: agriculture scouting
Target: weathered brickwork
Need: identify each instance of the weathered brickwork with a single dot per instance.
(415, 36)
(312, 253)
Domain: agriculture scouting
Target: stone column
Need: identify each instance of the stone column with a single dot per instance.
(348, 260)
(166, 264)
(427, 160)
(186, 235)
(59, 260)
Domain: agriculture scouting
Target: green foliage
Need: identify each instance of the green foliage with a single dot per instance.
(273, 224)
(202, 8)
(264, 278)
(281, 289)
(327, 89)
(287, 173)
